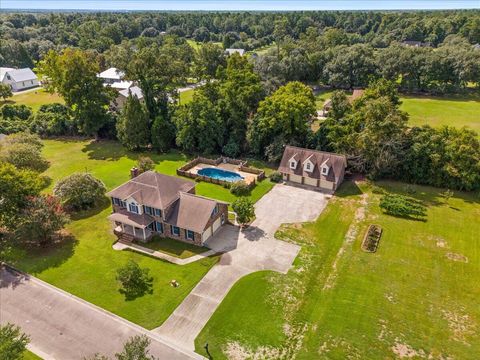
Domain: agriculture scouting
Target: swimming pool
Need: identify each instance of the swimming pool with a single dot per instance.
(220, 174)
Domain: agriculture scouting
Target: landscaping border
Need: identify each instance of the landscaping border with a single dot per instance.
(373, 230)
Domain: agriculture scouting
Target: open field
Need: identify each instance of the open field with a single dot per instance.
(86, 264)
(439, 111)
(34, 99)
(186, 96)
(417, 296)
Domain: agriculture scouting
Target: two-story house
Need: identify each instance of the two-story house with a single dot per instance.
(318, 169)
(156, 204)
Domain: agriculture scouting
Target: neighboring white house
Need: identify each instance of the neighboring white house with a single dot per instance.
(112, 75)
(123, 96)
(3, 71)
(229, 52)
(19, 79)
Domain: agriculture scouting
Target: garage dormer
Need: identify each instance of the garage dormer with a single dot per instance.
(308, 164)
(293, 162)
(325, 167)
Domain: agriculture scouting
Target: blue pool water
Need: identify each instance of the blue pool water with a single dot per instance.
(220, 174)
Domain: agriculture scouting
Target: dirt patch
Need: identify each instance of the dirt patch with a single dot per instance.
(390, 297)
(405, 351)
(295, 334)
(457, 257)
(459, 324)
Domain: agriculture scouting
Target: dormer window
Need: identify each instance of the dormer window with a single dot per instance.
(307, 166)
(293, 164)
(133, 208)
(325, 169)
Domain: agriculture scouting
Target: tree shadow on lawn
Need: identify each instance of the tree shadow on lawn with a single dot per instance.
(84, 214)
(111, 150)
(34, 260)
(430, 196)
(348, 188)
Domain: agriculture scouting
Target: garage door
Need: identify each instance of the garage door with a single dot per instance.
(296, 178)
(206, 234)
(310, 181)
(326, 184)
(217, 224)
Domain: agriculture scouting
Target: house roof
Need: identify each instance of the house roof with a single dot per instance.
(191, 212)
(3, 71)
(336, 162)
(134, 90)
(24, 74)
(153, 189)
(233, 51)
(132, 219)
(112, 73)
(120, 85)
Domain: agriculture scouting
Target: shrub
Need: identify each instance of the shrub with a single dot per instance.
(80, 191)
(24, 138)
(240, 188)
(13, 342)
(135, 281)
(9, 111)
(53, 120)
(5, 91)
(23, 156)
(144, 163)
(276, 177)
(244, 209)
(404, 206)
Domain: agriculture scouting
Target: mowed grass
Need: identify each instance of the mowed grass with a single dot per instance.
(186, 97)
(27, 355)
(34, 99)
(440, 111)
(418, 294)
(86, 264)
(173, 247)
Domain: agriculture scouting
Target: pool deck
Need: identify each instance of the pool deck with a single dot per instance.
(248, 178)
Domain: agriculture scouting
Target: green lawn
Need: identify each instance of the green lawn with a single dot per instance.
(27, 355)
(339, 302)
(197, 45)
(35, 99)
(321, 97)
(86, 264)
(173, 247)
(439, 111)
(186, 96)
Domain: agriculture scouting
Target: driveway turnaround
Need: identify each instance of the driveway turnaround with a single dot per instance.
(247, 251)
(64, 327)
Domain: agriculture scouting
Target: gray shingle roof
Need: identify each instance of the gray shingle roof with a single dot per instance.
(24, 74)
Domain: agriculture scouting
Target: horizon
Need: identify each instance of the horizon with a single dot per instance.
(240, 5)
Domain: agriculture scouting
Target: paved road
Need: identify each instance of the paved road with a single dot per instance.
(64, 327)
(248, 251)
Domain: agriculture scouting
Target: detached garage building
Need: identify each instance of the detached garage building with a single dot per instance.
(318, 169)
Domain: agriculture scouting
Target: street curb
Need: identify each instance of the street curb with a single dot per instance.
(149, 333)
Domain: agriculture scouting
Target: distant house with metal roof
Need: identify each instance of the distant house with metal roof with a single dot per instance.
(229, 52)
(122, 97)
(111, 75)
(19, 79)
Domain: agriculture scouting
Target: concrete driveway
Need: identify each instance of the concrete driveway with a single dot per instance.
(251, 250)
(64, 327)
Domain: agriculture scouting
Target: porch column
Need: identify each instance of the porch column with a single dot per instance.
(144, 238)
(121, 224)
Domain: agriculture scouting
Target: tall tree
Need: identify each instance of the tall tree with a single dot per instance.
(73, 74)
(284, 117)
(133, 126)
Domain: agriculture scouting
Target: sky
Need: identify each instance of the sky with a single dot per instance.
(239, 4)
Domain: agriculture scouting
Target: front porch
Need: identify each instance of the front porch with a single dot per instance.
(129, 233)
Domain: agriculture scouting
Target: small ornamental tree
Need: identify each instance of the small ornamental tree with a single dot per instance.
(144, 163)
(80, 191)
(136, 348)
(244, 209)
(135, 281)
(42, 218)
(403, 206)
(13, 342)
(5, 91)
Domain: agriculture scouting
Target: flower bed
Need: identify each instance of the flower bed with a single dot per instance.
(372, 238)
